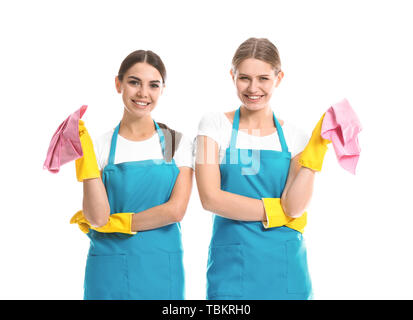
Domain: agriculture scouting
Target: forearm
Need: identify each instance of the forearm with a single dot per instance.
(96, 207)
(95, 202)
(233, 206)
(297, 196)
(157, 217)
(299, 188)
(208, 177)
(169, 212)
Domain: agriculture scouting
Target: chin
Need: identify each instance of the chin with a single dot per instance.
(138, 113)
(254, 107)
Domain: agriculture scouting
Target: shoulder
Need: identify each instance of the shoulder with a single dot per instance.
(104, 138)
(165, 127)
(212, 118)
(102, 147)
(230, 115)
(295, 136)
(216, 126)
(185, 143)
(184, 153)
(173, 134)
(292, 129)
(215, 121)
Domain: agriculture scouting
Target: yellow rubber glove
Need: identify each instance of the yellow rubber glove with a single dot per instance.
(80, 219)
(275, 213)
(118, 222)
(86, 166)
(277, 218)
(298, 223)
(313, 155)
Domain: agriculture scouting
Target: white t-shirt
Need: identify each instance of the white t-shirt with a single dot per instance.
(127, 150)
(217, 126)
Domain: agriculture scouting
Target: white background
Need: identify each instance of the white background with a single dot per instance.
(56, 56)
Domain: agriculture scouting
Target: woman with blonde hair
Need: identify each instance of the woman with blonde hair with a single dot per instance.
(250, 173)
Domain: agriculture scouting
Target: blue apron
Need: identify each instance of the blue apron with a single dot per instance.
(245, 260)
(149, 264)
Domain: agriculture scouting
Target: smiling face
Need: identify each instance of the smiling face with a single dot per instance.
(255, 81)
(141, 88)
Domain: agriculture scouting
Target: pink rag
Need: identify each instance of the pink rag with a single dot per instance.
(65, 144)
(341, 126)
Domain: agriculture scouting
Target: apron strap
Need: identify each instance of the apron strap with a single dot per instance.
(280, 134)
(235, 127)
(161, 137)
(115, 140)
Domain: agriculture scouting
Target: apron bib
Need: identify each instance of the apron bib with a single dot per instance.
(245, 260)
(149, 264)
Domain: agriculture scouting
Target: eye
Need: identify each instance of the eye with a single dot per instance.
(243, 78)
(264, 78)
(154, 85)
(133, 82)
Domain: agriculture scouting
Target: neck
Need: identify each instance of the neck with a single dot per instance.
(257, 118)
(137, 128)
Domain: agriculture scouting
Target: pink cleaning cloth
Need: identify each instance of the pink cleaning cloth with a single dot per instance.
(341, 126)
(65, 144)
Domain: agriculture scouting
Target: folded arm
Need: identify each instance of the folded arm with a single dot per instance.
(96, 210)
(171, 211)
(208, 178)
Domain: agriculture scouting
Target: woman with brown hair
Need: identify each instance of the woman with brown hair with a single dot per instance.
(133, 206)
(249, 173)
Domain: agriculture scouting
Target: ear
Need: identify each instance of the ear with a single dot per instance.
(280, 76)
(232, 74)
(162, 88)
(118, 85)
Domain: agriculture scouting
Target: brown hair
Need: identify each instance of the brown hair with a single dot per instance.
(257, 48)
(142, 56)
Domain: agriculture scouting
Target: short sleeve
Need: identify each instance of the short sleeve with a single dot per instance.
(300, 140)
(211, 126)
(101, 146)
(184, 155)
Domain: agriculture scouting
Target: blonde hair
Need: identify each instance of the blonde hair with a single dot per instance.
(257, 48)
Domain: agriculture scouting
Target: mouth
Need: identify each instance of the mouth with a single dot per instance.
(140, 103)
(253, 98)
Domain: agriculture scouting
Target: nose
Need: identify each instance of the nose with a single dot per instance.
(143, 91)
(253, 86)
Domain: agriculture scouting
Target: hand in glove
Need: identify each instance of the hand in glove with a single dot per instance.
(118, 222)
(313, 155)
(277, 218)
(86, 166)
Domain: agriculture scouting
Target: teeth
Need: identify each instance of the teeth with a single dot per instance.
(141, 103)
(254, 97)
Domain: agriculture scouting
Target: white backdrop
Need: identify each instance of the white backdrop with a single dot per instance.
(56, 56)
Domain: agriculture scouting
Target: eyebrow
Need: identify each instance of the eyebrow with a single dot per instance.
(136, 78)
(261, 75)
